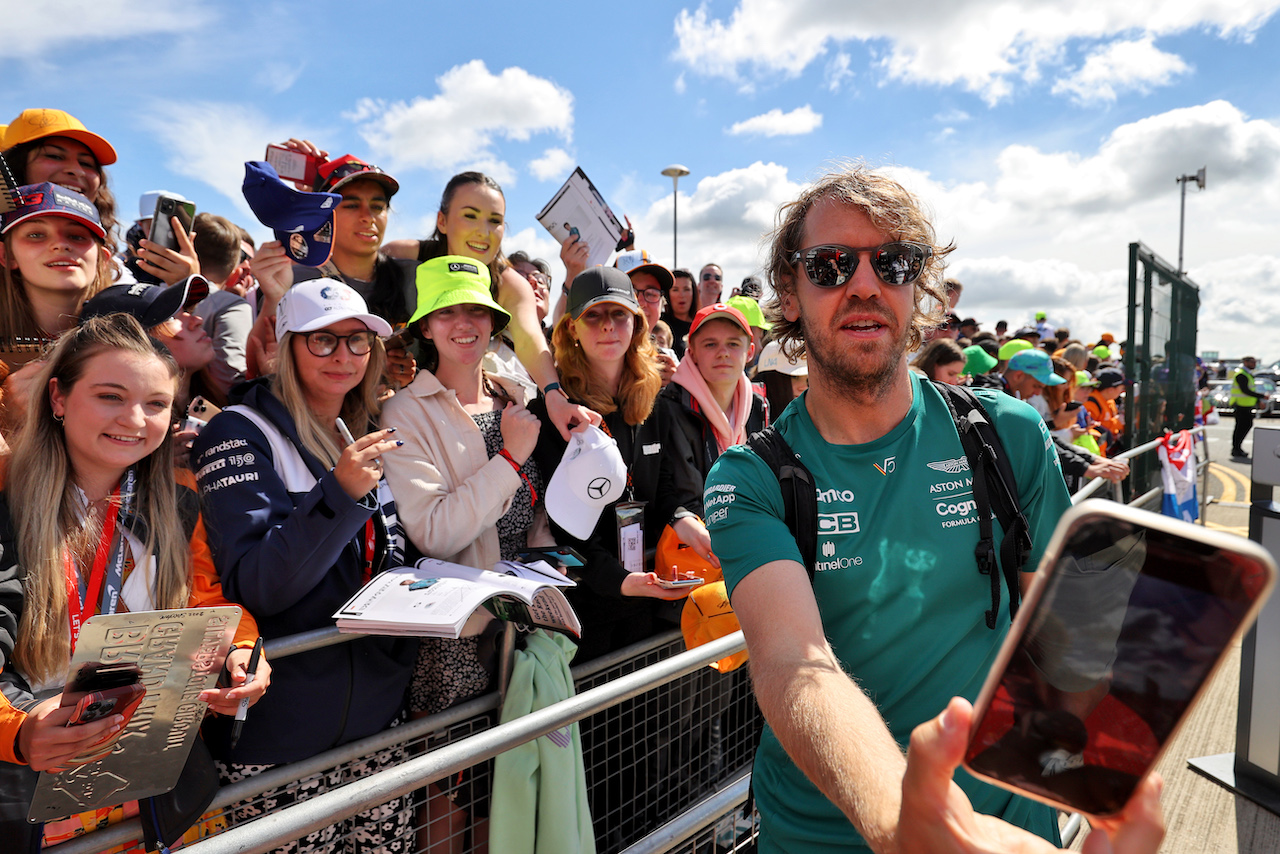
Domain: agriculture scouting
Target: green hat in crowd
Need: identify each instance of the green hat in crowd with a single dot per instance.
(1084, 379)
(1102, 351)
(456, 280)
(977, 360)
(1011, 348)
(750, 310)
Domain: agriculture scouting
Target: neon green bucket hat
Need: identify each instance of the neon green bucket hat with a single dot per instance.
(456, 280)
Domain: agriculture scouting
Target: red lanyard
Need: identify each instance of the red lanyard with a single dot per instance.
(97, 574)
(370, 548)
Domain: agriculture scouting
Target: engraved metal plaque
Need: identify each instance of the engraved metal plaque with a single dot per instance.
(179, 653)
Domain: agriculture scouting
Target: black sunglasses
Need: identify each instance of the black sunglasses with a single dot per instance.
(325, 343)
(831, 265)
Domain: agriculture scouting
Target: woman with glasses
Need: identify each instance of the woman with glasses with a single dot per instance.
(299, 519)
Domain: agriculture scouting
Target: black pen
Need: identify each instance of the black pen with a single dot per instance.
(238, 726)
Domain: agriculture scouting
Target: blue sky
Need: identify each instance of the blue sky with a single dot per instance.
(1045, 140)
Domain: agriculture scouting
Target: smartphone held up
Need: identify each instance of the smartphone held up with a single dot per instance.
(1129, 618)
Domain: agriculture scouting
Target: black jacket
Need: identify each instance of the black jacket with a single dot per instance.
(664, 476)
(698, 433)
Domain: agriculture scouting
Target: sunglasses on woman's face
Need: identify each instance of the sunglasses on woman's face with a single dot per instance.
(831, 265)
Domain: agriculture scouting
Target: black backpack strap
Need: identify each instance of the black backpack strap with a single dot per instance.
(994, 488)
(799, 492)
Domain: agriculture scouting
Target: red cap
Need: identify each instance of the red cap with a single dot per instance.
(716, 311)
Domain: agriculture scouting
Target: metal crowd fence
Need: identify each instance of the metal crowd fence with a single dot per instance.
(667, 747)
(660, 731)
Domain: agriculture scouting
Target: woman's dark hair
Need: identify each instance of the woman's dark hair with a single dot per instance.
(938, 352)
(438, 244)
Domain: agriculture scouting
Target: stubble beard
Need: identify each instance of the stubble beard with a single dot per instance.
(862, 370)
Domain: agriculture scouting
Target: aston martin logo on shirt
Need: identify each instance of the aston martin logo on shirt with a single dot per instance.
(953, 466)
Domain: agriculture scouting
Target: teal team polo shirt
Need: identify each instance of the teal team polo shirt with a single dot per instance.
(896, 582)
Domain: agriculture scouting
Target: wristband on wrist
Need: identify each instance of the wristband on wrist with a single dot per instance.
(533, 493)
(550, 387)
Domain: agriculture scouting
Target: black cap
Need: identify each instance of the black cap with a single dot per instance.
(1110, 378)
(150, 304)
(600, 284)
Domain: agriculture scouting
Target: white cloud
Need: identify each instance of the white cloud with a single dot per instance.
(799, 121)
(210, 142)
(953, 116)
(1050, 229)
(722, 219)
(56, 23)
(837, 72)
(459, 127)
(1121, 66)
(555, 164)
(679, 86)
(279, 76)
(985, 46)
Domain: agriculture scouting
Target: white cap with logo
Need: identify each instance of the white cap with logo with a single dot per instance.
(591, 476)
(317, 303)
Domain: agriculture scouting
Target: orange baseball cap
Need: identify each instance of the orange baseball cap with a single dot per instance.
(40, 123)
(708, 616)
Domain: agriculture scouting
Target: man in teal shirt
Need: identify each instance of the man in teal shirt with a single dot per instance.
(897, 602)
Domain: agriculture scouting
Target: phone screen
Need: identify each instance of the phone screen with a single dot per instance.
(1126, 630)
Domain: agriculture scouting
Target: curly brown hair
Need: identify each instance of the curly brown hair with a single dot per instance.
(892, 209)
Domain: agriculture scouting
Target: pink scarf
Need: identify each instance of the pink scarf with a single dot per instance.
(731, 430)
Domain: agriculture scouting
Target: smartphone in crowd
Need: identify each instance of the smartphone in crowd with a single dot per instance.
(566, 556)
(1129, 617)
(293, 165)
(677, 583)
(123, 700)
(198, 414)
(167, 207)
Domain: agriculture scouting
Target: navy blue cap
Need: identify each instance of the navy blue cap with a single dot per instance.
(303, 222)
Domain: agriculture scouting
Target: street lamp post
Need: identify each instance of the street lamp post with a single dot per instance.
(675, 172)
(1182, 219)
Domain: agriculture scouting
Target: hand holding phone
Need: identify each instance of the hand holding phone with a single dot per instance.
(162, 228)
(122, 701)
(1129, 618)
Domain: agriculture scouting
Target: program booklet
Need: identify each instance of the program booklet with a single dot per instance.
(435, 598)
(578, 210)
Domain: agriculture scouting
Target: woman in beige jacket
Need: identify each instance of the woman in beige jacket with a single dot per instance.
(466, 491)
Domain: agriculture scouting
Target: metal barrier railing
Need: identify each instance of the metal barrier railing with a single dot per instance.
(1096, 485)
(648, 673)
(323, 810)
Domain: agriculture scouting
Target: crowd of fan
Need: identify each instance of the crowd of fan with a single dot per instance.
(199, 389)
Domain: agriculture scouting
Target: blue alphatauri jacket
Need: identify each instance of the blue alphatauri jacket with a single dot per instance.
(289, 545)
